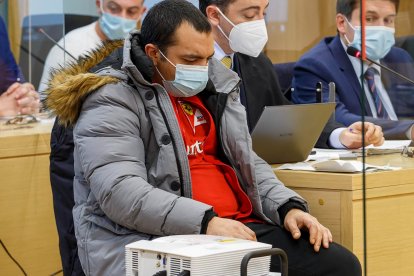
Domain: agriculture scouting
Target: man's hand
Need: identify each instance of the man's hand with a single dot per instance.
(352, 136)
(230, 228)
(318, 234)
(26, 97)
(8, 105)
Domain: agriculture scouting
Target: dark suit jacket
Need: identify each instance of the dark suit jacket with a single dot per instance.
(328, 62)
(9, 71)
(260, 86)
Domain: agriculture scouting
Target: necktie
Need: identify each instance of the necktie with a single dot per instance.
(226, 61)
(369, 77)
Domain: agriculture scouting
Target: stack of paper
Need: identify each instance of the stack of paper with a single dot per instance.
(336, 166)
(389, 146)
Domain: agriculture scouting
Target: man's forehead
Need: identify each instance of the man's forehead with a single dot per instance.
(126, 3)
(185, 30)
(377, 6)
(246, 4)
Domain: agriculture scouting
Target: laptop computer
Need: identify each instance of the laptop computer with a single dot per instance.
(288, 133)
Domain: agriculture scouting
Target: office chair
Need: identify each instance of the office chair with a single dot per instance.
(406, 43)
(404, 94)
(35, 45)
(284, 72)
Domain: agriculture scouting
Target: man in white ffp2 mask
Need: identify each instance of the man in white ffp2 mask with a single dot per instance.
(240, 35)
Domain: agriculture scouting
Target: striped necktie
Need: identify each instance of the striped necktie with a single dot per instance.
(226, 61)
(369, 77)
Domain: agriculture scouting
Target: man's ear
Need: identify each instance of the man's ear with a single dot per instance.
(341, 23)
(143, 10)
(213, 15)
(152, 52)
(98, 6)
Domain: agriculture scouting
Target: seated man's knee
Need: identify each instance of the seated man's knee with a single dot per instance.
(343, 261)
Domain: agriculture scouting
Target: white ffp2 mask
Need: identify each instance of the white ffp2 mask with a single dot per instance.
(248, 38)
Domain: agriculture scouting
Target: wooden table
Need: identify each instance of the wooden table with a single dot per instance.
(27, 224)
(336, 200)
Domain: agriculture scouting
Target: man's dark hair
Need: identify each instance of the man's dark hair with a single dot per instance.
(164, 18)
(222, 4)
(346, 7)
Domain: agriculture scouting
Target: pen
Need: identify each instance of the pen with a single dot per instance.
(319, 92)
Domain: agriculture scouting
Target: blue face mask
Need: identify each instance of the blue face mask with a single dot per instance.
(379, 40)
(115, 27)
(189, 79)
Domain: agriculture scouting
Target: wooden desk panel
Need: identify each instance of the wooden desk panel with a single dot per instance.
(336, 200)
(27, 221)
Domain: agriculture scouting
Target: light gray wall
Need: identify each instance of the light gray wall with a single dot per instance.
(86, 7)
(3, 10)
(150, 3)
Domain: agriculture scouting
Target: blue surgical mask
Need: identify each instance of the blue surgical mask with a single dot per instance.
(115, 27)
(379, 40)
(189, 79)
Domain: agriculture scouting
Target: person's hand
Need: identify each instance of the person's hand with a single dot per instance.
(352, 136)
(318, 234)
(26, 97)
(230, 228)
(8, 105)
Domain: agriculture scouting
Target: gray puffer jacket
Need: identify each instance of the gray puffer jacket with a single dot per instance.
(132, 178)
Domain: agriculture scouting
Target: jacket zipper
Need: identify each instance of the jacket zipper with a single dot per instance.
(221, 138)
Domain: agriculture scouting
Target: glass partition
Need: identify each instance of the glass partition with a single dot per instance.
(40, 23)
(28, 231)
(363, 210)
(367, 212)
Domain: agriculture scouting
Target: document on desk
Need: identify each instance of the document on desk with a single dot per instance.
(389, 146)
(341, 166)
(327, 154)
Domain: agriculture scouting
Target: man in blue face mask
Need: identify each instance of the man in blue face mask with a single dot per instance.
(329, 61)
(117, 18)
(162, 148)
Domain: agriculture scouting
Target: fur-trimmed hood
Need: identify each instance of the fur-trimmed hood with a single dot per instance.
(70, 85)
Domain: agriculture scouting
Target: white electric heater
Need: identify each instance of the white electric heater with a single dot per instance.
(198, 255)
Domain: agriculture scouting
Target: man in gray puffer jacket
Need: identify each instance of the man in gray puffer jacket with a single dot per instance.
(162, 148)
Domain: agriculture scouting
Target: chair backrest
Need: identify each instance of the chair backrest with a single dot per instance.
(35, 45)
(407, 43)
(284, 72)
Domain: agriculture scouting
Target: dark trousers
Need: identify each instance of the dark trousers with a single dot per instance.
(303, 260)
(61, 179)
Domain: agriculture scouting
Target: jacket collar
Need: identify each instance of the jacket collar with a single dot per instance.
(224, 79)
(349, 76)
